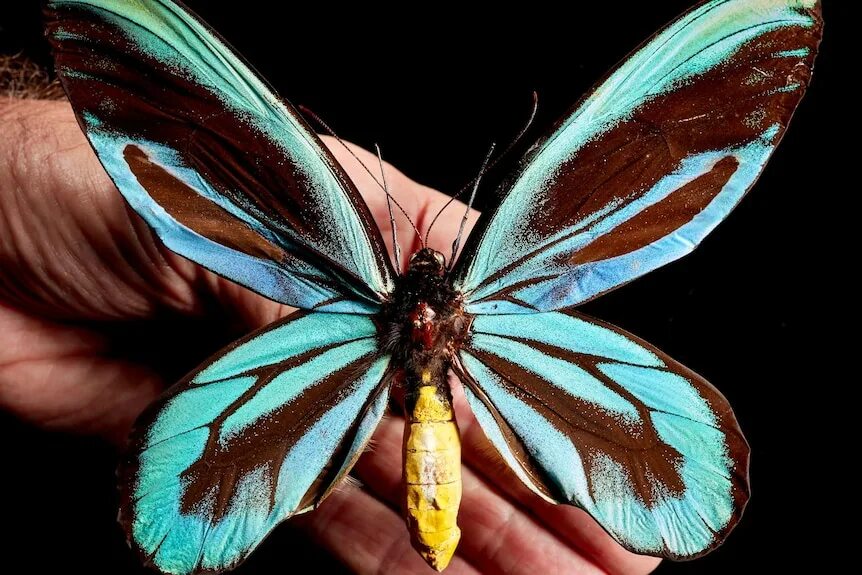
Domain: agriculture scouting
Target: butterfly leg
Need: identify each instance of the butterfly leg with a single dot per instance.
(432, 471)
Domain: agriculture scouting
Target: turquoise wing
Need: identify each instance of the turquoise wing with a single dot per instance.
(589, 415)
(225, 173)
(650, 162)
(261, 432)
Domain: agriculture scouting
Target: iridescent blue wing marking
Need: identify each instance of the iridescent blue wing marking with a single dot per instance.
(589, 415)
(649, 162)
(261, 432)
(226, 173)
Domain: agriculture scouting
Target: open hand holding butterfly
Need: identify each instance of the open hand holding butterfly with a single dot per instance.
(72, 252)
(231, 177)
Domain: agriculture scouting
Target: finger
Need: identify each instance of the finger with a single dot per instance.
(368, 536)
(58, 379)
(497, 536)
(571, 524)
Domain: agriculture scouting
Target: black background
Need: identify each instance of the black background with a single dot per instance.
(434, 88)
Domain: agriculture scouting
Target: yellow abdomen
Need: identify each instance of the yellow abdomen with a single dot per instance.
(432, 474)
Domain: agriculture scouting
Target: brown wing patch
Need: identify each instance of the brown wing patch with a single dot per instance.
(195, 212)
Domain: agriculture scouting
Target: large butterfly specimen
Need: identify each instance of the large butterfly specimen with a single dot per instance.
(229, 175)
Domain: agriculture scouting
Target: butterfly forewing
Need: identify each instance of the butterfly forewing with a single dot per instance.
(225, 172)
(261, 432)
(649, 162)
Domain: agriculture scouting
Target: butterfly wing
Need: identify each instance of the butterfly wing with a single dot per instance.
(261, 432)
(226, 173)
(649, 162)
(589, 415)
(635, 177)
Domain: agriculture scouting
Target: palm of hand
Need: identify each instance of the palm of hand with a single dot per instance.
(74, 257)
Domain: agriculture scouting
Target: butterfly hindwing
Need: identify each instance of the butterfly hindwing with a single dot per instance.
(261, 432)
(226, 173)
(589, 415)
(649, 162)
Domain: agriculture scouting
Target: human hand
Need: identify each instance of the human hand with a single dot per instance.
(75, 260)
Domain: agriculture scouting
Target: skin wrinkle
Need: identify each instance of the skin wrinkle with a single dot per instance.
(17, 243)
(104, 413)
(12, 361)
(72, 250)
(87, 245)
(495, 545)
(24, 242)
(395, 554)
(130, 385)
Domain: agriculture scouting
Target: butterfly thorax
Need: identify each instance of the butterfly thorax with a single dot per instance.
(424, 321)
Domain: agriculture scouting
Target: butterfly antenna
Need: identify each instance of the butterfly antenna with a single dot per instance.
(350, 151)
(493, 163)
(395, 247)
(457, 243)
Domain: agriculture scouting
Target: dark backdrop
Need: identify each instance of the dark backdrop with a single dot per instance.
(434, 87)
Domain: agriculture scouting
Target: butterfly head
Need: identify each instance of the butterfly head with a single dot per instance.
(427, 262)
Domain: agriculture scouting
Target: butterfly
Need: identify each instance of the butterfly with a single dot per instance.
(230, 176)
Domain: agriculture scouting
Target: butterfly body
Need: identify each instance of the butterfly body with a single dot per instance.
(230, 176)
(423, 325)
